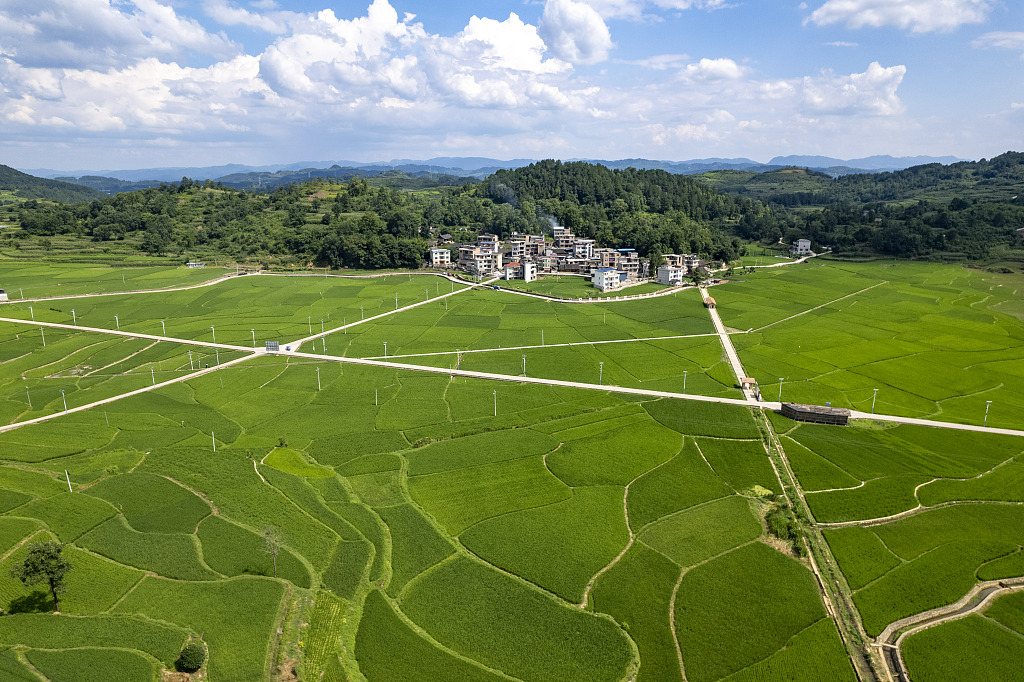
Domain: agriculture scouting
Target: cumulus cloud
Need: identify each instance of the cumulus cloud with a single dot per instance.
(97, 34)
(575, 32)
(871, 92)
(917, 16)
(712, 69)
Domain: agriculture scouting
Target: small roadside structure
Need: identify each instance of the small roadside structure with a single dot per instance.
(273, 346)
(195, 264)
(710, 303)
(747, 383)
(816, 414)
(3, 295)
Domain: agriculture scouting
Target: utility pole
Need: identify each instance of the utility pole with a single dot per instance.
(684, 381)
(253, 337)
(214, 332)
(874, 396)
(164, 327)
(44, 336)
(117, 323)
(65, 399)
(495, 403)
(153, 375)
(780, 390)
(600, 374)
(74, 317)
(988, 404)
(318, 378)
(524, 365)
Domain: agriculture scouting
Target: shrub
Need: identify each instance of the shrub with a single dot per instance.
(192, 658)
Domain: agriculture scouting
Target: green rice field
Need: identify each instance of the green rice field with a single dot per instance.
(339, 521)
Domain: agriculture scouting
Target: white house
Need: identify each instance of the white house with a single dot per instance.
(671, 275)
(525, 271)
(802, 247)
(607, 279)
(440, 258)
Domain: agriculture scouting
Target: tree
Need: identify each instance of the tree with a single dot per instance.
(272, 540)
(44, 562)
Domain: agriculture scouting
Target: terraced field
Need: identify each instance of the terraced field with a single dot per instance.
(437, 527)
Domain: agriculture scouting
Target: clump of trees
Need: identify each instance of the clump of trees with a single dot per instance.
(192, 657)
(44, 563)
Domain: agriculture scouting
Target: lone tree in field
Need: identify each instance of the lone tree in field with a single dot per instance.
(44, 562)
(272, 540)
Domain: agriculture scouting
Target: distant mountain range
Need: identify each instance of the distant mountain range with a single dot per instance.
(245, 177)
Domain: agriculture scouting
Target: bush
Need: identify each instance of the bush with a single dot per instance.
(192, 658)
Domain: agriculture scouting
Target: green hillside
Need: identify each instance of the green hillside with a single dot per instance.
(25, 186)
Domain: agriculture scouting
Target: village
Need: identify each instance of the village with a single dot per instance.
(527, 256)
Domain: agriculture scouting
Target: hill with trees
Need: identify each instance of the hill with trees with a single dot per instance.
(966, 210)
(963, 211)
(26, 186)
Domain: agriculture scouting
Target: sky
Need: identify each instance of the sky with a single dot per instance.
(155, 83)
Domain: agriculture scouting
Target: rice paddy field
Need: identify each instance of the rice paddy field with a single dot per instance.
(432, 526)
(937, 341)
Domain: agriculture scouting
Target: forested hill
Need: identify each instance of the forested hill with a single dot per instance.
(364, 223)
(30, 187)
(650, 210)
(961, 211)
(998, 179)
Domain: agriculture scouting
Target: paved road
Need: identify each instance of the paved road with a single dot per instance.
(730, 350)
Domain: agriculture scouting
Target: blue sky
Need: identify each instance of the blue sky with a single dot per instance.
(145, 83)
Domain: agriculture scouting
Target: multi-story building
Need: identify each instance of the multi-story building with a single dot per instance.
(687, 261)
(802, 247)
(608, 279)
(584, 248)
(564, 238)
(671, 275)
(479, 261)
(525, 271)
(440, 258)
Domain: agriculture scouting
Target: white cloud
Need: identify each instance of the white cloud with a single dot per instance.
(634, 9)
(97, 34)
(713, 69)
(270, 22)
(509, 44)
(575, 32)
(1009, 40)
(917, 16)
(871, 92)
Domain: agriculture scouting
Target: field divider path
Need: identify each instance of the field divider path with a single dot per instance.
(105, 401)
(127, 334)
(295, 345)
(186, 287)
(548, 345)
(817, 307)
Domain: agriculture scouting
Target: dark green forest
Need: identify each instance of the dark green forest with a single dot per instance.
(964, 211)
(41, 188)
